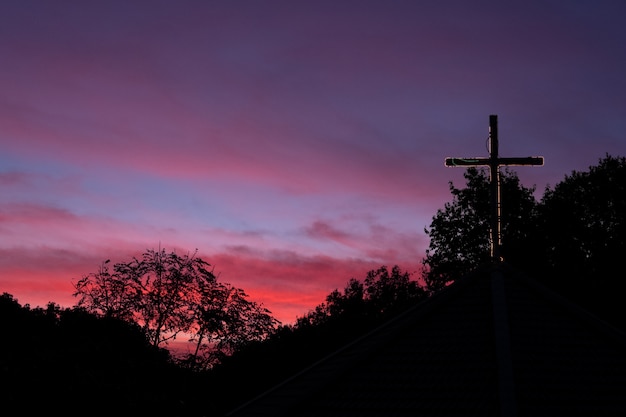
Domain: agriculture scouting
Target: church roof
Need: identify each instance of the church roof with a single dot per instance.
(494, 343)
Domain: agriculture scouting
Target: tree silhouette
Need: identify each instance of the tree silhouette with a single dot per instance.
(225, 321)
(459, 233)
(382, 293)
(170, 295)
(581, 236)
(68, 360)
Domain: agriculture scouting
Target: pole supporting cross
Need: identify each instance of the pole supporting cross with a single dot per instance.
(494, 162)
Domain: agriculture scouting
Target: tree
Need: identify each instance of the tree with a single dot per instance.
(582, 235)
(225, 322)
(459, 233)
(383, 292)
(391, 291)
(168, 295)
(73, 360)
(155, 291)
(106, 294)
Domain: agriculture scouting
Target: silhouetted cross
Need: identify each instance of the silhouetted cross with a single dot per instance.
(494, 163)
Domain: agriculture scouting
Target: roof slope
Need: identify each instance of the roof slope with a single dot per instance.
(494, 343)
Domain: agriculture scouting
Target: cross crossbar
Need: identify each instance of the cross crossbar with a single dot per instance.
(494, 162)
(474, 162)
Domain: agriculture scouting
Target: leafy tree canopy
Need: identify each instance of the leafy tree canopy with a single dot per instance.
(583, 219)
(573, 239)
(459, 233)
(170, 295)
(383, 292)
(581, 237)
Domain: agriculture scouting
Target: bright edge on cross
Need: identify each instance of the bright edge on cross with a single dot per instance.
(469, 162)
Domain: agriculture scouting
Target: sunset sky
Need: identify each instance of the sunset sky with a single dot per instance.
(294, 144)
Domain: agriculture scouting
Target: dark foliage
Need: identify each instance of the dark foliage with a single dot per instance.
(459, 233)
(580, 238)
(572, 240)
(343, 317)
(71, 362)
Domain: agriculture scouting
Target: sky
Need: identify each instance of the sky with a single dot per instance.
(293, 144)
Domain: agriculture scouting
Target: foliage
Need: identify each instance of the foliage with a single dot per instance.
(343, 316)
(68, 359)
(459, 233)
(381, 293)
(581, 235)
(169, 295)
(583, 219)
(573, 239)
(224, 322)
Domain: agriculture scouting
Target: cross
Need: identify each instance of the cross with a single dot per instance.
(494, 162)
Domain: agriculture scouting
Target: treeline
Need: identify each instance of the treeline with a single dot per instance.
(79, 362)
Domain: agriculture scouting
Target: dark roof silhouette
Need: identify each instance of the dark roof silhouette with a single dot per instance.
(494, 343)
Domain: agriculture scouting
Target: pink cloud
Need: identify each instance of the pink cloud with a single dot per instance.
(372, 239)
(291, 284)
(38, 224)
(41, 274)
(13, 179)
(323, 230)
(244, 157)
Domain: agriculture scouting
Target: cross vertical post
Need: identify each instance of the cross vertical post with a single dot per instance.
(494, 168)
(494, 162)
